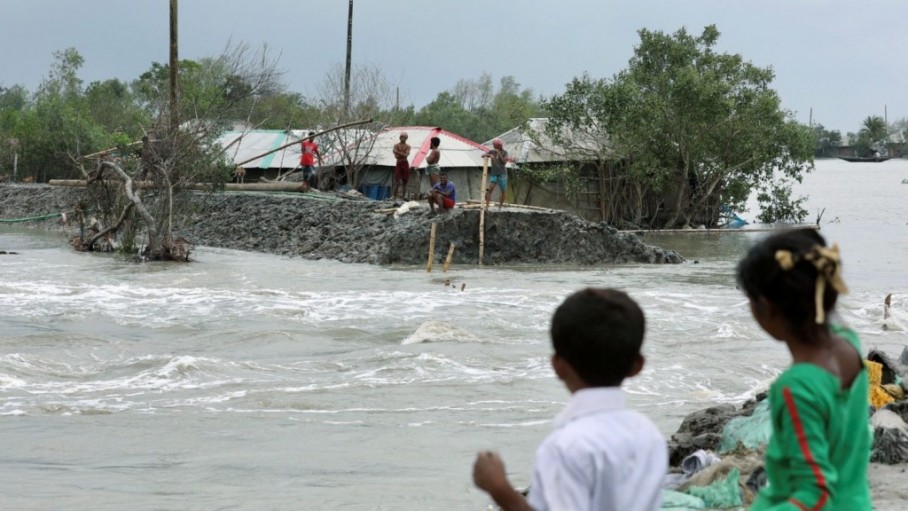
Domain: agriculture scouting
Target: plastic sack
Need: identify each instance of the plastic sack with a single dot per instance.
(752, 432)
(722, 494)
(677, 501)
(878, 396)
(697, 461)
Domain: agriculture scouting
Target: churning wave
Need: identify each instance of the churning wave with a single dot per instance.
(439, 331)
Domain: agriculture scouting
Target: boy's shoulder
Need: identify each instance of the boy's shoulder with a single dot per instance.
(625, 426)
(605, 442)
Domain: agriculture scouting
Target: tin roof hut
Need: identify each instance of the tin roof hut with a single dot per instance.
(243, 146)
(461, 158)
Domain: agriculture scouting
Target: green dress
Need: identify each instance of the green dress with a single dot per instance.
(818, 454)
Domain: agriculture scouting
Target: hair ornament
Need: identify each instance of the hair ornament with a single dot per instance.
(785, 259)
(827, 261)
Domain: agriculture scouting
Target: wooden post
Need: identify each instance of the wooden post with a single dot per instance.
(431, 248)
(347, 70)
(174, 70)
(450, 256)
(482, 210)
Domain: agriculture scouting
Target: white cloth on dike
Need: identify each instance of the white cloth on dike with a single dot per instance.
(697, 461)
(406, 207)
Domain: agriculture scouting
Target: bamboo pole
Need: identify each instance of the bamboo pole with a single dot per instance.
(482, 210)
(239, 187)
(721, 230)
(431, 248)
(448, 259)
(112, 149)
(477, 204)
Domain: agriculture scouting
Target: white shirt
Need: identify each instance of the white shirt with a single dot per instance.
(601, 457)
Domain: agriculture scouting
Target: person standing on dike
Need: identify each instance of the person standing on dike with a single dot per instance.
(402, 168)
(307, 159)
(432, 167)
(819, 451)
(498, 174)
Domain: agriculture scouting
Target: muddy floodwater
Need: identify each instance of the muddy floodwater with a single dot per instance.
(254, 381)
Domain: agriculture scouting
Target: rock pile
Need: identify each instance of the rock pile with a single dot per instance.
(704, 437)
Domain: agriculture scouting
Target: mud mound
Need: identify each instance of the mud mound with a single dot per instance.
(358, 231)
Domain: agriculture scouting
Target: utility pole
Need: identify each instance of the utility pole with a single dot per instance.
(174, 68)
(349, 49)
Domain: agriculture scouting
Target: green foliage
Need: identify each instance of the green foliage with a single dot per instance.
(13, 99)
(777, 204)
(681, 130)
(567, 178)
(287, 110)
(874, 128)
(476, 110)
(112, 105)
(63, 79)
(121, 140)
(448, 112)
(151, 89)
(62, 119)
(51, 133)
(226, 87)
(872, 136)
(825, 143)
(695, 127)
(53, 124)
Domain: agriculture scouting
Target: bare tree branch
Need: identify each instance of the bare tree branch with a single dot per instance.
(150, 225)
(111, 228)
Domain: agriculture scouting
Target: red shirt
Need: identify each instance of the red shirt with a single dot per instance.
(310, 149)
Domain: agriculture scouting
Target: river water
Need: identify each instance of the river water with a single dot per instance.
(251, 381)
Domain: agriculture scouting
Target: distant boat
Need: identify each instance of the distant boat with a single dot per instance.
(871, 159)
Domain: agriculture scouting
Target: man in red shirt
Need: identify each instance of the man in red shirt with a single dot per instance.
(307, 160)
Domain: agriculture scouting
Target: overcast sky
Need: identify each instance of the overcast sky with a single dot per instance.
(844, 59)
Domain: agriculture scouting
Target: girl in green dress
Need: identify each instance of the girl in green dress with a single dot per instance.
(818, 454)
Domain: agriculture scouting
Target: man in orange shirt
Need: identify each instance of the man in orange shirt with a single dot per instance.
(307, 160)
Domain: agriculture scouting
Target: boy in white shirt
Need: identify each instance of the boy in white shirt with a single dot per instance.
(601, 456)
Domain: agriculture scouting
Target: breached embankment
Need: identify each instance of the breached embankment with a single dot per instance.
(723, 447)
(359, 231)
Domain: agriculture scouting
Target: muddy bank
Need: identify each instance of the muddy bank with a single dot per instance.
(355, 231)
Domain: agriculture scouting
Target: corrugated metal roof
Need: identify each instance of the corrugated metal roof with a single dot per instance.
(243, 145)
(523, 149)
(456, 151)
